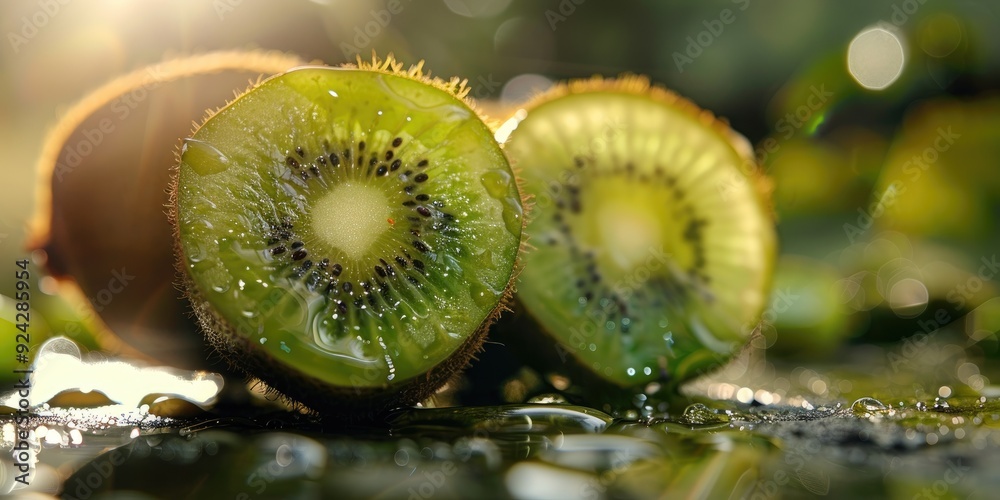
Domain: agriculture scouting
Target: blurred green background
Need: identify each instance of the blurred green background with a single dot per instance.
(887, 203)
(886, 200)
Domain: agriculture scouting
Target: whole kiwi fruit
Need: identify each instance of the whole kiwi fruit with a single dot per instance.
(103, 175)
(346, 235)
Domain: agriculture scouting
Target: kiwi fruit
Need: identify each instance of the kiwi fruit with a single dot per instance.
(652, 238)
(346, 235)
(103, 175)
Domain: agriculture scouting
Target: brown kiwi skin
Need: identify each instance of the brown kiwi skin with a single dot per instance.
(312, 395)
(83, 225)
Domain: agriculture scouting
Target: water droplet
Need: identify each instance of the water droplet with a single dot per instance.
(485, 258)
(698, 413)
(497, 183)
(203, 158)
(217, 279)
(548, 399)
(482, 295)
(418, 309)
(865, 407)
(512, 215)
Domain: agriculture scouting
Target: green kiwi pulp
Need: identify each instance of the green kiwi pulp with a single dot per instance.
(347, 234)
(652, 240)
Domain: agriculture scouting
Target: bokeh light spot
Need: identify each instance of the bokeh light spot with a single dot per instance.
(875, 58)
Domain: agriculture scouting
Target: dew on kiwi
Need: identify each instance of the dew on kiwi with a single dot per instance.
(404, 281)
(207, 158)
(327, 283)
(615, 307)
(482, 294)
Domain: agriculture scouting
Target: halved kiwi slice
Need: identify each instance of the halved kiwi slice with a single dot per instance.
(653, 243)
(347, 234)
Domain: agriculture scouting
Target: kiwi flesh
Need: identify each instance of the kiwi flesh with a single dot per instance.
(653, 242)
(346, 235)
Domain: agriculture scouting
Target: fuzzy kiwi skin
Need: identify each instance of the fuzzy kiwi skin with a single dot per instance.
(307, 391)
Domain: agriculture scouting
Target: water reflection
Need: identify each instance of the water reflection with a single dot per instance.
(59, 367)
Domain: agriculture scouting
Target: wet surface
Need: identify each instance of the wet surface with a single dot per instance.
(804, 442)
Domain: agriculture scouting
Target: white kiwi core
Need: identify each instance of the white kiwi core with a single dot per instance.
(351, 217)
